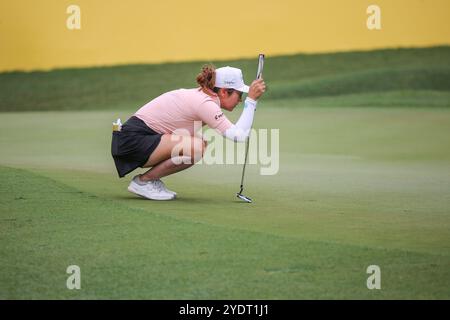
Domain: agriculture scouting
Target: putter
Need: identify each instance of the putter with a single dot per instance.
(239, 194)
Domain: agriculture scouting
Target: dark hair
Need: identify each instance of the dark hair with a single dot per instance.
(207, 77)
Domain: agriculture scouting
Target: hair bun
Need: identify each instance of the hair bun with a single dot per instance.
(207, 77)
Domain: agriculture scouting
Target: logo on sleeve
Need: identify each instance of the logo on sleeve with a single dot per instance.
(218, 116)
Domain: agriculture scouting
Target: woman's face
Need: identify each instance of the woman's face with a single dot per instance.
(229, 101)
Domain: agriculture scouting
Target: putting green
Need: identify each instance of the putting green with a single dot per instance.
(355, 187)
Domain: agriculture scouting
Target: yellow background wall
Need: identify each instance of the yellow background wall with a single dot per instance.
(33, 33)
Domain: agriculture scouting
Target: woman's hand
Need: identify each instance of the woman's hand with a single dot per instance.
(257, 88)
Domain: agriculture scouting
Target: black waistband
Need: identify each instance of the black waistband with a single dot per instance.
(135, 124)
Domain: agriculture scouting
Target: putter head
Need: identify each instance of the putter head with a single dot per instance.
(244, 198)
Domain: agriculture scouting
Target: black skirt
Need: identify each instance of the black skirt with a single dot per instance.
(132, 146)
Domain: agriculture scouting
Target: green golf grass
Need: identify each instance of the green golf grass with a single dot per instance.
(359, 184)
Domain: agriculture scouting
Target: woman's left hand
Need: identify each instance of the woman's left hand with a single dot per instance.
(257, 88)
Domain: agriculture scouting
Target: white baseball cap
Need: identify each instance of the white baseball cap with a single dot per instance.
(230, 78)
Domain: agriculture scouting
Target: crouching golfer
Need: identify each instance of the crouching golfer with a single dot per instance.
(150, 137)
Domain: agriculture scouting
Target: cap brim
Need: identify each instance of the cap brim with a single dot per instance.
(244, 88)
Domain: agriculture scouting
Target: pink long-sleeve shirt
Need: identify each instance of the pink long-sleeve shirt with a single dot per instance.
(179, 109)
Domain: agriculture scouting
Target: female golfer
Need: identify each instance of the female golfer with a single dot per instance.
(162, 134)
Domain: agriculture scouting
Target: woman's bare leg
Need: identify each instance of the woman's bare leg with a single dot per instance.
(188, 150)
(165, 168)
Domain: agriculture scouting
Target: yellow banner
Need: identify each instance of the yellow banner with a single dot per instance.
(45, 34)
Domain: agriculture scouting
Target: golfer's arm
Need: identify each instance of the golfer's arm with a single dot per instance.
(241, 130)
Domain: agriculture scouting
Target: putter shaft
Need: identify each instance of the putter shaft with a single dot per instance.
(247, 141)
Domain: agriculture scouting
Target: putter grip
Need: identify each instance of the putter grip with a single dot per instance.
(260, 66)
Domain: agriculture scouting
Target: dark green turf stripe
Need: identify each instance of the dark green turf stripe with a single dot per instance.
(296, 76)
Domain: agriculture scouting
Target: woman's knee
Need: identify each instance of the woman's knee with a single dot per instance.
(197, 149)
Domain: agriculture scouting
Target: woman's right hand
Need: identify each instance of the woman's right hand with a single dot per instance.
(257, 88)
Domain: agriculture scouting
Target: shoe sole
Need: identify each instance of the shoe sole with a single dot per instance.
(132, 190)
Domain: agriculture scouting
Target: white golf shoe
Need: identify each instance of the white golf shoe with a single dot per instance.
(163, 186)
(154, 189)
